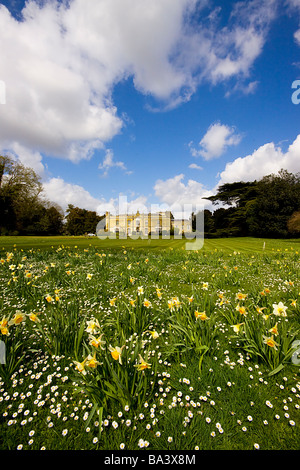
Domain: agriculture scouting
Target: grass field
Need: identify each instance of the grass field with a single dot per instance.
(123, 344)
(246, 244)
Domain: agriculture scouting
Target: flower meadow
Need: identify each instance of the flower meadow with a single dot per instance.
(149, 349)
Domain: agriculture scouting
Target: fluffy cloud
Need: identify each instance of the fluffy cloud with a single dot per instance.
(59, 191)
(267, 159)
(27, 157)
(181, 198)
(62, 60)
(109, 162)
(194, 166)
(294, 6)
(216, 141)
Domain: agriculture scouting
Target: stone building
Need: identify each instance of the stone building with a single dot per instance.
(144, 224)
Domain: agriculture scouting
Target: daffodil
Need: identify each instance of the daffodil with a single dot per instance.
(33, 317)
(241, 296)
(49, 298)
(241, 310)
(91, 361)
(92, 326)
(89, 276)
(260, 309)
(274, 330)
(269, 341)
(140, 290)
(279, 309)
(237, 327)
(142, 365)
(154, 334)
(174, 302)
(147, 303)
(18, 318)
(158, 292)
(80, 366)
(116, 353)
(201, 315)
(96, 342)
(112, 301)
(4, 326)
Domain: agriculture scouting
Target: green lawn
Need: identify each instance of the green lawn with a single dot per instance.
(246, 244)
(207, 341)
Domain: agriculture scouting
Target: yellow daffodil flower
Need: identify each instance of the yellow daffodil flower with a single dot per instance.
(91, 361)
(241, 310)
(116, 353)
(201, 315)
(279, 309)
(96, 342)
(269, 341)
(237, 327)
(142, 365)
(18, 318)
(92, 326)
(154, 334)
(4, 326)
(241, 296)
(80, 366)
(274, 330)
(33, 317)
(260, 309)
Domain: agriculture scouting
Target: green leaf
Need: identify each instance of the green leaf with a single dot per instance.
(275, 371)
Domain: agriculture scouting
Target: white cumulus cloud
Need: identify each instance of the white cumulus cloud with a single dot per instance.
(61, 61)
(180, 197)
(109, 162)
(216, 141)
(267, 159)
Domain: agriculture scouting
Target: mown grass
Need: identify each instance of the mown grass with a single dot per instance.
(186, 380)
(244, 244)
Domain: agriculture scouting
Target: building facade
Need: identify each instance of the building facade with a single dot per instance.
(142, 224)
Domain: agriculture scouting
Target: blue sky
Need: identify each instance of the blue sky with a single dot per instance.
(159, 101)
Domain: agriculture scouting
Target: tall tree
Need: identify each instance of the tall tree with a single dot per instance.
(278, 197)
(23, 209)
(81, 221)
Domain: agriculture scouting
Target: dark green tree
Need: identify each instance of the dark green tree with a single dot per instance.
(81, 221)
(278, 197)
(23, 209)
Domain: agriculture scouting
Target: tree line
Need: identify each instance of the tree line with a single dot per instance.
(269, 207)
(24, 210)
